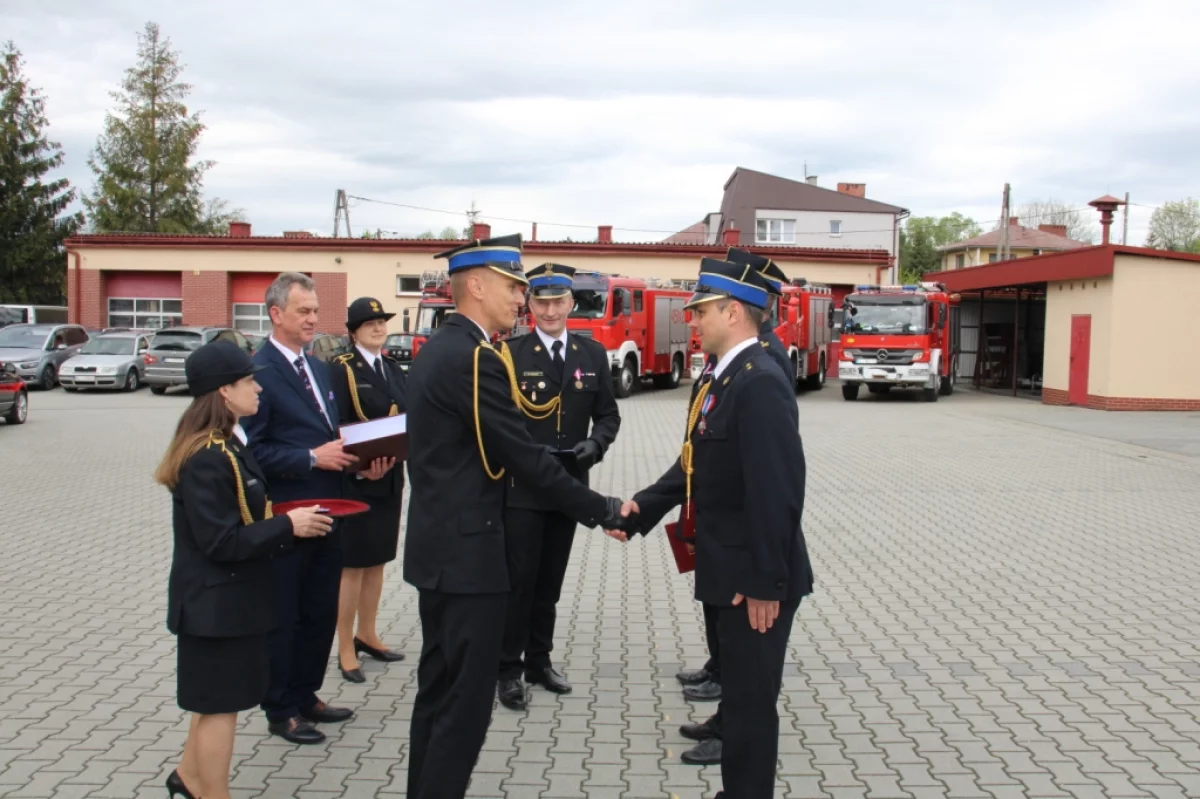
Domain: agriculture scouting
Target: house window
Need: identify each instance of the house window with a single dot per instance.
(150, 314)
(408, 284)
(993, 257)
(960, 261)
(251, 317)
(776, 231)
(835, 227)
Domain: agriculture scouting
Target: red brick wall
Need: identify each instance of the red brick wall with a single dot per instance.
(331, 293)
(92, 312)
(1055, 396)
(206, 298)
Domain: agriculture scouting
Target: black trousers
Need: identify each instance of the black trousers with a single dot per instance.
(307, 580)
(752, 675)
(456, 681)
(713, 666)
(539, 548)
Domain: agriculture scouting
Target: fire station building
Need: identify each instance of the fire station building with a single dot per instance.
(159, 280)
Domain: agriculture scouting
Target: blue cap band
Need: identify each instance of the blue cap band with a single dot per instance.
(734, 288)
(551, 281)
(482, 257)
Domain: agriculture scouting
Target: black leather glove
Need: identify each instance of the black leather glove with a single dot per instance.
(613, 520)
(587, 453)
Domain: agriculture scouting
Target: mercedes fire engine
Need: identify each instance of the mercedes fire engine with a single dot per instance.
(641, 323)
(802, 319)
(900, 337)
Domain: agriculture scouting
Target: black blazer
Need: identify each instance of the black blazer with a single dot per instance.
(747, 487)
(586, 389)
(362, 396)
(454, 538)
(289, 424)
(220, 584)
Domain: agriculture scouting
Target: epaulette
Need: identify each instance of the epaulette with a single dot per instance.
(346, 358)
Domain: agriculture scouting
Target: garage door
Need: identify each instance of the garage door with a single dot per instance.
(247, 290)
(143, 299)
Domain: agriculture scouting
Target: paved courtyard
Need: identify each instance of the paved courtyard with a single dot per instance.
(1006, 606)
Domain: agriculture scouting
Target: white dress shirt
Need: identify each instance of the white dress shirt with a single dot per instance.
(731, 354)
(291, 356)
(548, 342)
(370, 358)
(240, 433)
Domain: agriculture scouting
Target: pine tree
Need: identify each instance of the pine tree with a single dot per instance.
(32, 224)
(147, 179)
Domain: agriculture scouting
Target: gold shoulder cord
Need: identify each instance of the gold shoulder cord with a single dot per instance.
(345, 361)
(217, 439)
(685, 457)
(530, 409)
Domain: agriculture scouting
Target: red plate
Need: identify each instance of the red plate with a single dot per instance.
(336, 508)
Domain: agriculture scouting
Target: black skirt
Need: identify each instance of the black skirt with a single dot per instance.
(371, 538)
(221, 675)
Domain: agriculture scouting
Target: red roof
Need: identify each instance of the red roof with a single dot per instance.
(1020, 237)
(1078, 264)
(170, 241)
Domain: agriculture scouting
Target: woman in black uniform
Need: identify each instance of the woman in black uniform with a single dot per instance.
(367, 386)
(219, 602)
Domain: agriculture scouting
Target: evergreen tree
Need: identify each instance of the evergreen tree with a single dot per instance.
(147, 178)
(32, 224)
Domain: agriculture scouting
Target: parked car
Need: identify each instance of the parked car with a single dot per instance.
(399, 347)
(39, 350)
(32, 314)
(326, 346)
(110, 361)
(14, 398)
(257, 340)
(170, 348)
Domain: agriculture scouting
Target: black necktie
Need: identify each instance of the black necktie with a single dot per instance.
(558, 358)
(379, 369)
(312, 391)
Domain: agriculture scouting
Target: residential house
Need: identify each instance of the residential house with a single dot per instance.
(1023, 242)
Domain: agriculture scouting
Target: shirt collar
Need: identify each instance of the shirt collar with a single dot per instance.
(288, 352)
(549, 342)
(733, 353)
(240, 433)
(367, 354)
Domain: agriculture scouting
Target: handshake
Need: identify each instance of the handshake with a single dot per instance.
(622, 519)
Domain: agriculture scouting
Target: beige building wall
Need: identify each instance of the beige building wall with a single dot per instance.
(1064, 300)
(374, 273)
(1154, 321)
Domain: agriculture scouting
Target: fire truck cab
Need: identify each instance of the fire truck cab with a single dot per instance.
(900, 337)
(641, 324)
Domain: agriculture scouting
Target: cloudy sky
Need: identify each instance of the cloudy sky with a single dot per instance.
(634, 114)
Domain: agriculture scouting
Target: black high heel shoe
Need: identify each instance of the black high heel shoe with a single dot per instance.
(386, 655)
(353, 675)
(175, 785)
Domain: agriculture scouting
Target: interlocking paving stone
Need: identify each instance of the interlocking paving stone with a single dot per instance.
(1005, 607)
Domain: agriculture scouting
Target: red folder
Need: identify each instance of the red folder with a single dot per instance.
(682, 535)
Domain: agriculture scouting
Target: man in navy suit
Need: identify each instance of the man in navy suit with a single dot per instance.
(294, 438)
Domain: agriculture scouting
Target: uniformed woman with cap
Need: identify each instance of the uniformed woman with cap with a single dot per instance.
(367, 386)
(219, 601)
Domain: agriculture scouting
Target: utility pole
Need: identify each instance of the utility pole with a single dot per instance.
(472, 218)
(1125, 220)
(341, 211)
(1004, 233)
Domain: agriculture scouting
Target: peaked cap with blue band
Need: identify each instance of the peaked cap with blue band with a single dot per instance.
(772, 274)
(551, 280)
(725, 280)
(502, 254)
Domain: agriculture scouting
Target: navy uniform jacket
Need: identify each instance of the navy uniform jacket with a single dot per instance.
(220, 584)
(454, 538)
(770, 342)
(288, 425)
(361, 396)
(586, 388)
(747, 488)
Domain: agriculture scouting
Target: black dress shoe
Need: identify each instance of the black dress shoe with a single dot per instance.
(353, 675)
(699, 732)
(549, 679)
(512, 694)
(297, 731)
(321, 713)
(704, 692)
(386, 655)
(705, 753)
(175, 786)
(693, 676)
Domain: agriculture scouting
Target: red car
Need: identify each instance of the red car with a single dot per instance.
(14, 397)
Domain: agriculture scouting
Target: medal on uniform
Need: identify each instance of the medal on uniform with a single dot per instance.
(578, 379)
(709, 403)
(542, 384)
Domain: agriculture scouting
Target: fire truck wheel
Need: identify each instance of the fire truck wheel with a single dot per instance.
(849, 391)
(817, 381)
(947, 386)
(626, 378)
(671, 379)
(929, 394)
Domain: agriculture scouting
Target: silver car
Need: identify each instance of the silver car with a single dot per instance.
(38, 350)
(114, 360)
(171, 346)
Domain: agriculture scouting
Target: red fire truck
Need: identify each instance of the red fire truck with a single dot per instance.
(802, 320)
(900, 337)
(641, 323)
